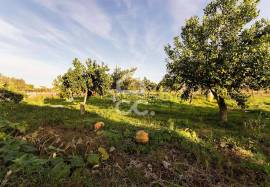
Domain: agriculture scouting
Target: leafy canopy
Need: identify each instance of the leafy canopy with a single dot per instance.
(148, 84)
(123, 78)
(82, 79)
(224, 52)
(14, 84)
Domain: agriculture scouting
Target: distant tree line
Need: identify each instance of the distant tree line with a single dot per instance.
(124, 79)
(10, 83)
(89, 78)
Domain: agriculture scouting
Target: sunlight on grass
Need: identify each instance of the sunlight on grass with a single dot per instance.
(192, 127)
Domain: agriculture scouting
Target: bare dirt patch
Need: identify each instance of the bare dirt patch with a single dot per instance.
(65, 141)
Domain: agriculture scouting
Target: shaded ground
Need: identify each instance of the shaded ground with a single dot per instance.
(187, 147)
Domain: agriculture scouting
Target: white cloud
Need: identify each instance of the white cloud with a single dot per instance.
(8, 30)
(153, 37)
(56, 31)
(35, 49)
(39, 37)
(182, 10)
(84, 12)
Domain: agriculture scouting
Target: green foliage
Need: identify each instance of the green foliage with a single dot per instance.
(83, 79)
(93, 159)
(12, 128)
(21, 158)
(104, 154)
(60, 170)
(256, 126)
(76, 162)
(149, 85)
(185, 136)
(10, 96)
(171, 124)
(123, 79)
(12, 149)
(170, 82)
(221, 53)
(14, 84)
(28, 162)
(189, 134)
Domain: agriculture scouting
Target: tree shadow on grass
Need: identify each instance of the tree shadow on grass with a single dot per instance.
(101, 102)
(183, 115)
(182, 147)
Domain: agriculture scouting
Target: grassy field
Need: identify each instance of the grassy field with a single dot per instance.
(187, 147)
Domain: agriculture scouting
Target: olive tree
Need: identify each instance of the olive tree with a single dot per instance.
(148, 84)
(224, 52)
(123, 78)
(84, 79)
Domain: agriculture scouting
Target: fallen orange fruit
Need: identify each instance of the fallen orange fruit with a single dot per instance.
(142, 137)
(99, 125)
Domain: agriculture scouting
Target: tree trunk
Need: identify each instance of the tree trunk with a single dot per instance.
(223, 111)
(70, 96)
(85, 97)
(82, 109)
(82, 106)
(191, 98)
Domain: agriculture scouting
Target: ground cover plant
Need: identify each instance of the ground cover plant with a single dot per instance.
(49, 143)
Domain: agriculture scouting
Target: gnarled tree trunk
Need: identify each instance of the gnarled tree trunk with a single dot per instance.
(223, 110)
(82, 109)
(82, 106)
(85, 97)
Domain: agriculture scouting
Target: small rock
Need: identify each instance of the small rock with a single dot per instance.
(166, 164)
(136, 164)
(112, 149)
(166, 157)
(150, 175)
(150, 167)
(117, 166)
(79, 141)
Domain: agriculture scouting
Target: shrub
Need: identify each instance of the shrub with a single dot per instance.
(9, 96)
(255, 126)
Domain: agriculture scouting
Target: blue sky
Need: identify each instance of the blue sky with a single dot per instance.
(39, 38)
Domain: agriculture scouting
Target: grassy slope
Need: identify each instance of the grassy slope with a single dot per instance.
(187, 144)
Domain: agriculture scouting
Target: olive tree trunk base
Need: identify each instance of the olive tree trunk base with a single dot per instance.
(223, 110)
(82, 109)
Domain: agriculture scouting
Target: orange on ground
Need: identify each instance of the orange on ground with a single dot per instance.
(99, 125)
(142, 137)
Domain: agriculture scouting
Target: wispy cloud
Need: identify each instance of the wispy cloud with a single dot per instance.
(48, 34)
(84, 12)
(181, 10)
(8, 30)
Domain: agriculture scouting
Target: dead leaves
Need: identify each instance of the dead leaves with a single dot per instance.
(59, 141)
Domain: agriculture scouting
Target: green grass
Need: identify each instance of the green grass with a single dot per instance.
(197, 149)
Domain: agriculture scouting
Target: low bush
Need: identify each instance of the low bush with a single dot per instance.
(9, 96)
(255, 126)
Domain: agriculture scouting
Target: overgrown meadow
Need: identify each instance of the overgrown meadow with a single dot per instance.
(45, 141)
